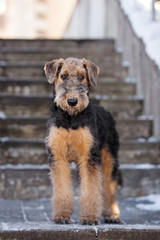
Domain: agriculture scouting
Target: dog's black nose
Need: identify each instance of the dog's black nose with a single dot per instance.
(72, 101)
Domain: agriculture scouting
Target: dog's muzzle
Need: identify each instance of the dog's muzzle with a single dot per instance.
(72, 102)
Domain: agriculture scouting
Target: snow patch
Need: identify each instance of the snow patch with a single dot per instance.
(25, 166)
(144, 117)
(141, 140)
(4, 139)
(97, 97)
(2, 115)
(125, 64)
(140, 15)
(130, 80)
(105, 97)
(153, 205)
(139, 166)
(5, 226)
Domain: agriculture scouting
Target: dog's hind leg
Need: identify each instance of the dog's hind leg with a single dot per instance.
(111, 210)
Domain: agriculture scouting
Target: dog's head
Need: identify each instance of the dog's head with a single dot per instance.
(72, 79)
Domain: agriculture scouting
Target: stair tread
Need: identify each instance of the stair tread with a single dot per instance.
(54, 50)
(37, 215)
(45, 167)
(12, 42)
(27, 181)
(36, 105)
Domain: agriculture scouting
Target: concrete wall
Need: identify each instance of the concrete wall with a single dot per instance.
(142, 67)
(88, 20)
(107, 19)
(35, 18)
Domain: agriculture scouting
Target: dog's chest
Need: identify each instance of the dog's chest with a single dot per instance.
(70, 144)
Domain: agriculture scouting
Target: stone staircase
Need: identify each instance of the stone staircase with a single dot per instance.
(24, 110)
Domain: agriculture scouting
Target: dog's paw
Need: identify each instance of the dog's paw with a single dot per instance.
(61, 220)
(112, 220)
(89, 221)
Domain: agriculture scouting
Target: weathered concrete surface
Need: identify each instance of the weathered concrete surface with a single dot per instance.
(47, 232)
(129, 233)
(15, 151)
(36, 105)
(32, 220)
(75, 232)
(141, 210)
(40, 56)
(35, 127)
(108, 44)
(41, 86)
(139, 152)
(35, 70)
(32, 181)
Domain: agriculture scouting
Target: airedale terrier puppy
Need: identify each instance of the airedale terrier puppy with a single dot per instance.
(84, 133)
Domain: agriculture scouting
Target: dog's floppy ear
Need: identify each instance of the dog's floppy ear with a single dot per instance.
(92, 71)
(51, 69)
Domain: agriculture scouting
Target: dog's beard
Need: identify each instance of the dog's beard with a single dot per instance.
(61, 101)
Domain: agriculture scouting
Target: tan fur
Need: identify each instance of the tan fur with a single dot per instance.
(90, 195)
(73, 87)
(72, 68)
(111, 208)
(70, 145)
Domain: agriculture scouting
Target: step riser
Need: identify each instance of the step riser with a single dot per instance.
(36, 72)
(109, 89)
(121, 90)
(16, 153)
(37, 129)
(44, 230)
(40, 106)
(31, 184)
(29, 108)
(37, 43)
(110, 59)
(123, 109)
(35, 153)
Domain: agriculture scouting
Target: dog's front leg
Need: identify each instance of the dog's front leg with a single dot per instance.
(62, 191)
(90, 195)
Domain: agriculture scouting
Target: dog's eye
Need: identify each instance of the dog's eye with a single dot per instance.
(81, 78)
(64, 77)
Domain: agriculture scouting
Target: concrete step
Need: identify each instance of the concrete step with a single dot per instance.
(36, 105)
(41, 86)
(35, 127)
(99, 55)
(51, 43)
(32, 151)
(29, 219)
(32, 181)
(51, 231)
(35, 70)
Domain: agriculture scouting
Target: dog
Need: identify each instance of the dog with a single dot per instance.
(84, 133)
